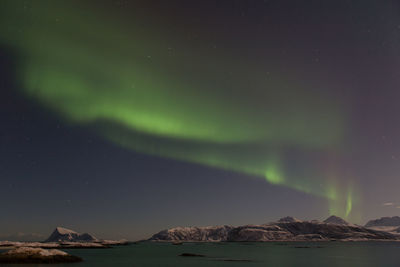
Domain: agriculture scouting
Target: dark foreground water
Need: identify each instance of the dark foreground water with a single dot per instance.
(230, 254)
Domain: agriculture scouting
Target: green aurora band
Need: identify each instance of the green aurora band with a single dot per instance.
(144, 90)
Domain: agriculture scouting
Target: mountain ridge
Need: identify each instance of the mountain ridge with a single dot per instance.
(285, 229)
(384, 221)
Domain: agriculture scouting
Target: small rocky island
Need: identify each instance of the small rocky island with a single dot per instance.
(48, 250)
(286, 229)
(36, 255)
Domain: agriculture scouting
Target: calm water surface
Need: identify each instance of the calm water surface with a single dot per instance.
(258, 254)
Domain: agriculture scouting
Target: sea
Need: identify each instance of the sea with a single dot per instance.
(280, 254)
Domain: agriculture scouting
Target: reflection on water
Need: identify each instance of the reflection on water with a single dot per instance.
(243, 254)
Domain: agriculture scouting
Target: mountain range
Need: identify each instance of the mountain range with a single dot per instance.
(286, 229)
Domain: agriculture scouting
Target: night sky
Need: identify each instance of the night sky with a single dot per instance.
(123, 118)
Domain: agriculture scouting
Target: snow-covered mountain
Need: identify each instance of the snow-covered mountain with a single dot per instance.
(208, 233)
(284, 230)
(384, 221)
(336, 220)
(288, 219)
(61, 234)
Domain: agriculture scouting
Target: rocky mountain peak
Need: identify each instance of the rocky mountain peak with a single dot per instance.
(288, 219)
(64, 231)
(61, 234)
(336, 220)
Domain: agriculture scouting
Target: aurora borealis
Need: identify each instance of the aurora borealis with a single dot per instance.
(263, 90)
